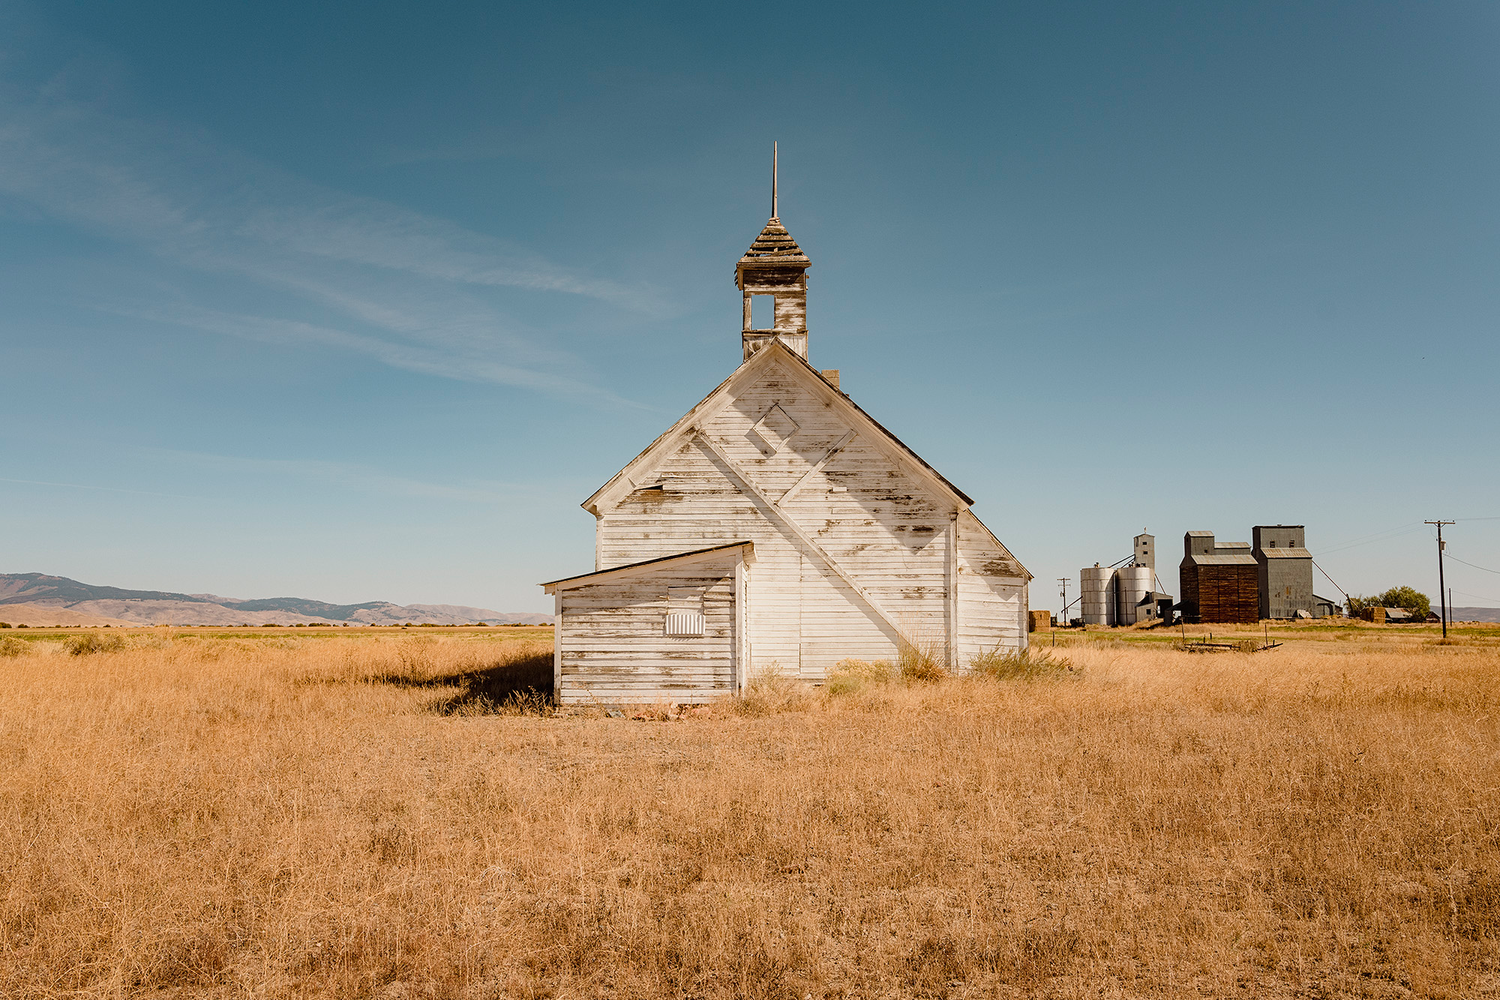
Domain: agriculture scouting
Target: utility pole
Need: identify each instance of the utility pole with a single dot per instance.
(1063, 614)
(1442, 592)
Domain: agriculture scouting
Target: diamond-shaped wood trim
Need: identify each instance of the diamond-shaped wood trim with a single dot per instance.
(773, 430)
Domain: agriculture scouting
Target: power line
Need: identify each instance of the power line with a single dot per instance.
(1472, 566)
(1379, 536)
(1396, 532)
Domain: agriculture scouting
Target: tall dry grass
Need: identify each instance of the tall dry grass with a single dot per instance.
(349, 817)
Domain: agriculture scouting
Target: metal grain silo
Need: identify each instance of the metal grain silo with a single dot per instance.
(1132, 585)
(1097, 594)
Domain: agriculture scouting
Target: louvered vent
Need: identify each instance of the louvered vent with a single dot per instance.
(684, 623)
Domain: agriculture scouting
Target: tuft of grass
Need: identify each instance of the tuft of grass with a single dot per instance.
(773, 694)
(922, 664)
(13, 647)
(1031, 664)
(851, 675)
(86, 643)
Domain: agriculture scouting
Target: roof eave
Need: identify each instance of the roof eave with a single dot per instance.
(748, 546)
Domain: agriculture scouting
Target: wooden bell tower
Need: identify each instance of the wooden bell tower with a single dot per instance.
(775, 267)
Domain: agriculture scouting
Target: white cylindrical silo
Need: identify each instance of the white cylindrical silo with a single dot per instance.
(1132, 584)
(1097, 595)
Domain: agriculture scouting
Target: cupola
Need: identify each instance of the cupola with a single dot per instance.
(774, 268)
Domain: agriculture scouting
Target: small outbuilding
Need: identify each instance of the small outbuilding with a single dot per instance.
(672, 627)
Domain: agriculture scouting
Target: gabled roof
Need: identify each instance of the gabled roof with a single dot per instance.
(774, 245)
(772, 352)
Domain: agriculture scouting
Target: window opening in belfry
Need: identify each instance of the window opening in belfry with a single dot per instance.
(762, 312)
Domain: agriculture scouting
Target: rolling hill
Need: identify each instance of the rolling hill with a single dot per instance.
(156, 607)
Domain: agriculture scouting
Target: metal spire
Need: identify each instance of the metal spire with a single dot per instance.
(773, 179)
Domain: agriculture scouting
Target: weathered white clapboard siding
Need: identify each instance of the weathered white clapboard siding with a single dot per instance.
(880, 517)
(611, 645)
(882, 527)
(991, 594)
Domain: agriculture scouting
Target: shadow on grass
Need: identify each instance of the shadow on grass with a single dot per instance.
(522, 686)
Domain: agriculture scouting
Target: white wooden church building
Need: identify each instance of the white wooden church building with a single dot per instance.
(776, 528)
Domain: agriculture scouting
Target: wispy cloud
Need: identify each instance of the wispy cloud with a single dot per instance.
(404, 284)
(347, 476)
(344, 475)
(415, 358)
(103, 489)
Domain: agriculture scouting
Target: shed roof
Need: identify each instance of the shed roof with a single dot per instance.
(593, 577)
(1288, 553)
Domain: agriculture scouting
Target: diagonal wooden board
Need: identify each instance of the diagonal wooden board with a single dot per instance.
(838, 447)
(780, 517)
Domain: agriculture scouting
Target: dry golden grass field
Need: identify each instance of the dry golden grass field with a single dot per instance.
(375, 812)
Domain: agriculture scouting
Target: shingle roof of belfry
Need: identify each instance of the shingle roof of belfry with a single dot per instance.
(774, 245)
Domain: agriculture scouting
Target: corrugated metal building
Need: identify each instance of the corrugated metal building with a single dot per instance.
(777, 528)
(1284, 571)
(1219, 581)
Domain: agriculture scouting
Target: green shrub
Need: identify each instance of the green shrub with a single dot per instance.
(1407, 598)
(13, 647)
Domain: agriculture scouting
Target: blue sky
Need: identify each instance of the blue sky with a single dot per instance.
(360, 302)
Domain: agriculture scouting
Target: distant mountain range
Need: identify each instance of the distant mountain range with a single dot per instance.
(1457, 614)
(61, 600)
